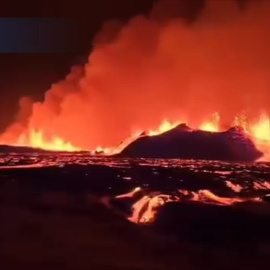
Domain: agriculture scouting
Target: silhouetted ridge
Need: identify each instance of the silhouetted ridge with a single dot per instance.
(186, 143)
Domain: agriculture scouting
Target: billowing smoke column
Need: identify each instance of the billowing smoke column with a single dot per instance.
(158, 67)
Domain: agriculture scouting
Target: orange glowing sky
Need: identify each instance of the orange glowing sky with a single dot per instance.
(154, 74)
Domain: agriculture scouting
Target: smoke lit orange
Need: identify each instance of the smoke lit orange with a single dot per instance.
(156, 67)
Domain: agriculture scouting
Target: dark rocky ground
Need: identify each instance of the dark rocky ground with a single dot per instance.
(51, 216)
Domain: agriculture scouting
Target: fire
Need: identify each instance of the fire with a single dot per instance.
(165, 126)
(152, 65)
(241, 121)
(119, 148)
(37, 139)
(258, 130)
(103, 150)
(261, 129)
(212, 125)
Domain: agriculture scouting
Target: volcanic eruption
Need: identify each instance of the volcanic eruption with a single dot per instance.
(154, 68)
(183, 142)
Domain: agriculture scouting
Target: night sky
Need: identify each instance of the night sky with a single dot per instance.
(33, 73)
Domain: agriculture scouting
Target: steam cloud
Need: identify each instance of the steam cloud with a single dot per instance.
(159, 67)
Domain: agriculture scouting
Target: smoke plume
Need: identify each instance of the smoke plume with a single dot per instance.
(160, 67)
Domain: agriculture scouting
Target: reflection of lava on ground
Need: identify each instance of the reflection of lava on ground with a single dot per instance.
(60, 204)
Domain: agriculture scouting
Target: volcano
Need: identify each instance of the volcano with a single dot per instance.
(186, 143)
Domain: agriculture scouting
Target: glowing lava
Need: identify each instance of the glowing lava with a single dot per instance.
(165, 126)
(258, 130)
(212, 125)
(261, 129)
(260, 133)
(146, 207)
(36, 139)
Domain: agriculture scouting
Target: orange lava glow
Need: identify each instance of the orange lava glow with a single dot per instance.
(165, 126)
(145, 209)
(36, 139)
(261, 129)
(258, 131)
(155, 68)
(212, 125)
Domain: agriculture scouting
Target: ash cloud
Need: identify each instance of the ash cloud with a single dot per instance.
(156, 67)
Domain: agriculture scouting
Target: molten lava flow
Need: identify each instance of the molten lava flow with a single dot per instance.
(102, 150)
(119, 148)
(235, 187)
(146, 206)
(36, 139)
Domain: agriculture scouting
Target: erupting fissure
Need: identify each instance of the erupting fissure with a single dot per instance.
(259, 132)
(36, 139)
